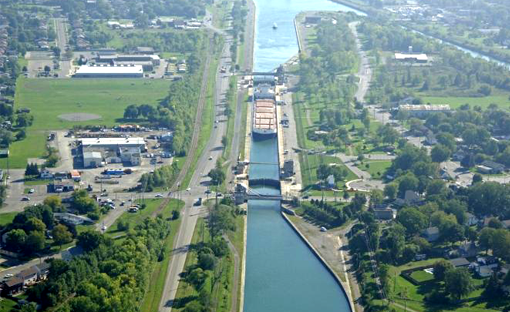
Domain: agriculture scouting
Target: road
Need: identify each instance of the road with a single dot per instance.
(364, 71)
(62, 43)
(199, 183)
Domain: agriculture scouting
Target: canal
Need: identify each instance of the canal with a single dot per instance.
(282, 273)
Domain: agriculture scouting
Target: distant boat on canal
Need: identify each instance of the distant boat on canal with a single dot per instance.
(275, 26)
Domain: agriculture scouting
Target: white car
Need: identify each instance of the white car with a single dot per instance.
(31, 191)
(188, 189)
(210, 157)
(159, 195)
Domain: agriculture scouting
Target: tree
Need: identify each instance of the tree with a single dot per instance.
(206, 260)
(440, 153)
(477, 178)
(485, 238)
(217, 175)
(407, 182)
(35, 242)
(61, 235)
(376, 197)
(458, 283)
(390, 191)
(440, 268)
(54, 201)
(89, 240)
(224, 141)
(131, 112)
(196, 278)
(34, 224)
(413, 220)
(221, 220)
(16, 239)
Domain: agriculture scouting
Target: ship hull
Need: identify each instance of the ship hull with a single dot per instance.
(263, 135)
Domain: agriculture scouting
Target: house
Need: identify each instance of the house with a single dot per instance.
(484, 271)
(43, 270)
(490, 261)
(385, 213)
(312, 19)
(471, 219)
(330, 181)
(410, 198)
(506, 224)
(468, 250)
(494, 167)
(431, 234)
(29, 276)
(430, 139)
(12, 286)
(459, 262)
(45, 174)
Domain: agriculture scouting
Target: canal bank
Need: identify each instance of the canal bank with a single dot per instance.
(345, 285)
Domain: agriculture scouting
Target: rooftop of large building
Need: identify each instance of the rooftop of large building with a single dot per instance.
(426, 107)
(112, 141)
(85, 69)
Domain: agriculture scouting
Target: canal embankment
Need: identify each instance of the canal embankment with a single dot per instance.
(334, 267)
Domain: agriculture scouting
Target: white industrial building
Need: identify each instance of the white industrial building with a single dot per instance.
(424, 110)
(412, 57)
(112, 142)
(87, 71)
(92, 159)
(112, 150)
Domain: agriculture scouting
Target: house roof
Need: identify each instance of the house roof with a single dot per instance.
(458, 262)
(27, 273)
(14, 281)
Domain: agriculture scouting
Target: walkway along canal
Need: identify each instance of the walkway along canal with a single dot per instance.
(282, 273)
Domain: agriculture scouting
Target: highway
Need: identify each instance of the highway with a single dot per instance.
(199, 181)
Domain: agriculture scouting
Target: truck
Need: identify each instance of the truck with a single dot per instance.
(198, 202)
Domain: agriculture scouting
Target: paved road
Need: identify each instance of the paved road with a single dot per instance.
(364, 72)
(62, 43)
(198, 185)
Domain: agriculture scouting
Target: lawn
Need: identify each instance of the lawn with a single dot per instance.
(49, 98)
(422, 276)
(399, 286)
(310, 164)
(136, 218)
(376, 168)
(7, 305)
(6, 218)
(501, 100)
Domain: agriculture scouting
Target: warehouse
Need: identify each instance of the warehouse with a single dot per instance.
(112, 143)
(424, 110)
(85, 71)
(127, 151)
(412, 57)
(92, 159)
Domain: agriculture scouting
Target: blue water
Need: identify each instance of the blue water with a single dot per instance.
(282, 274)
(275, 46)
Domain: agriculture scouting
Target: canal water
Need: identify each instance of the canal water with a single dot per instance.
(282, 274)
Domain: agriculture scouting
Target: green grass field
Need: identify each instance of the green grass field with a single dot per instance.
(49, 98)
(501, 100)
(376, 168)
(422, 276)
(416, 294)
(6, 218)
